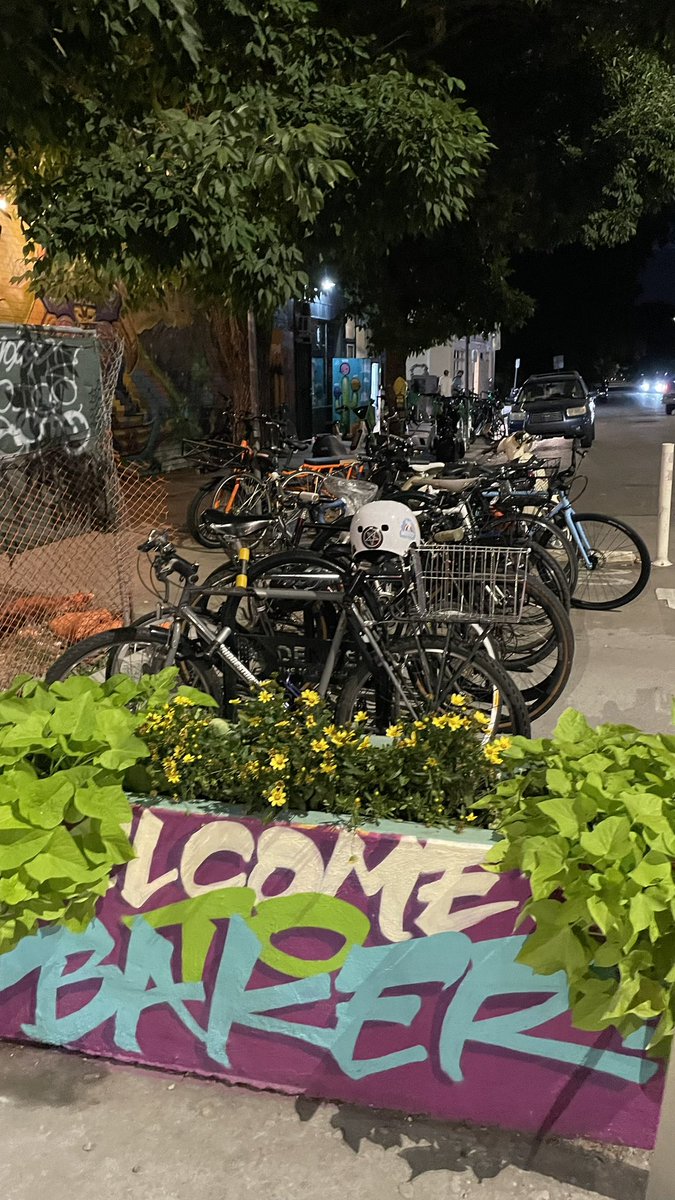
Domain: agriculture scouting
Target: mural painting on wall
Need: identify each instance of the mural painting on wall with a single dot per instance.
(375, 969)
(168, 384)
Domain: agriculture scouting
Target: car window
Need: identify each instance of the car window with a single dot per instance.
(554, 389)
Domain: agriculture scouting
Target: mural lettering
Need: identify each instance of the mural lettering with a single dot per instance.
(357, 992)
(393, 880)
(373, 969)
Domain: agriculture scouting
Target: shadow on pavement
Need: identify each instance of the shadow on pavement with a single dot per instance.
(487, 1152)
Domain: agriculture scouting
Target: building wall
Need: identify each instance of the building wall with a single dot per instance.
(375, 968)
(453, 357)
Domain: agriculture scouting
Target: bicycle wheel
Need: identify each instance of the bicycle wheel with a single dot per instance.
(238, 494)
(134, 652)
(620, 564)
(519, 526)
(430, 675)
(538, 651)
(287, 636)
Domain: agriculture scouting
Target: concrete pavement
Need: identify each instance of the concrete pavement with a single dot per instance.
(78, 1129)
(624, 668)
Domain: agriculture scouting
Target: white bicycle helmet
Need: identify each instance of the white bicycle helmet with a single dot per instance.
(384, 526)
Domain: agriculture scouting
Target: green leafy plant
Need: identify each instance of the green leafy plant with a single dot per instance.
(64, 753)
(273, 760)
(589, 818)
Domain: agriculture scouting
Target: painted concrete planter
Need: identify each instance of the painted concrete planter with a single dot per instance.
(376, 967)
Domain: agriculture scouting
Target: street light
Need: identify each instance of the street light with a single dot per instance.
(327, 284)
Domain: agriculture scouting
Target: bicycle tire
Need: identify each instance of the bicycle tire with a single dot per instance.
(542, 672)
(547, 533)
(641, 556)
(250, 498)
(109, 645)
(513, 715)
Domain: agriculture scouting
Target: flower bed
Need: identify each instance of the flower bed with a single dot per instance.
(373, 967)
(321, 956)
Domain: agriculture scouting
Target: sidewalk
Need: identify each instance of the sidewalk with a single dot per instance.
(78, 1129)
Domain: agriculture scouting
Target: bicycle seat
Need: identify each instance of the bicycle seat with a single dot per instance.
(430, 468)
(332, 460)
(454, 486)
(236, 527)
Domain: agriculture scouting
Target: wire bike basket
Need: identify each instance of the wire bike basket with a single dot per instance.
(471, 583)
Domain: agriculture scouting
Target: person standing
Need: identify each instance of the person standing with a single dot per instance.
(458, 383)
(446, 385)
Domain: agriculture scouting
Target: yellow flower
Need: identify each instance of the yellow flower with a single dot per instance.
(357, 802)
(481, 718)
(432, 762)
(339, 738)
(492, 754)
(252, 767)
(470, 817)
(457, 700)
(310, 721)
(419, 724)
(278, 761)
(255, 721)
(502, 743)
(277, 797)
(184, 702)
(188, 758)
(359, 717)
(264, 695)
(319, 745)
(440, 722)
(310, 698)
(364, 744)
(454, 722)
(394, 731)
(328, 767)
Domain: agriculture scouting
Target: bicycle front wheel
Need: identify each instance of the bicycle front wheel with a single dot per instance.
(134, 652)
(430, 675)
(619, 567)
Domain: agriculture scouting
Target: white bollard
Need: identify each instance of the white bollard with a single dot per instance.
(665, 502)
(661, 1184)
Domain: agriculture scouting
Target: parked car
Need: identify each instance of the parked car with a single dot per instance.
(555, 405)
(668, 395)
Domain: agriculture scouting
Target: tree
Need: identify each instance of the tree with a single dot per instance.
(578, 97)
(226, 147)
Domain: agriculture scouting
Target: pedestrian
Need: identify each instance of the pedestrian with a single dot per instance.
(457, 385)
(446, 385)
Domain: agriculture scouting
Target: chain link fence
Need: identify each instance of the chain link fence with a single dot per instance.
(70, 514)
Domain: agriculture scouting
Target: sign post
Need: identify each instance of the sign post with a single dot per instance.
(515, 373)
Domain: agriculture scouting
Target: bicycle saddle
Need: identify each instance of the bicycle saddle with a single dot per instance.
(454, 486)
(236, 527)
(331, 460)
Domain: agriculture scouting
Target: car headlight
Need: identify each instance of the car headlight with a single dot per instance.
(580, 411)
(661, 386)
(644, 386)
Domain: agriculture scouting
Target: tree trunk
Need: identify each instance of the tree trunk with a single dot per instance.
(230, 335)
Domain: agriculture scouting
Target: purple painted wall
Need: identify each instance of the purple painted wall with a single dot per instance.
(374, 968)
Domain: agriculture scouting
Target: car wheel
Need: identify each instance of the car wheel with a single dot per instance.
(587, 439)
(670, 408)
